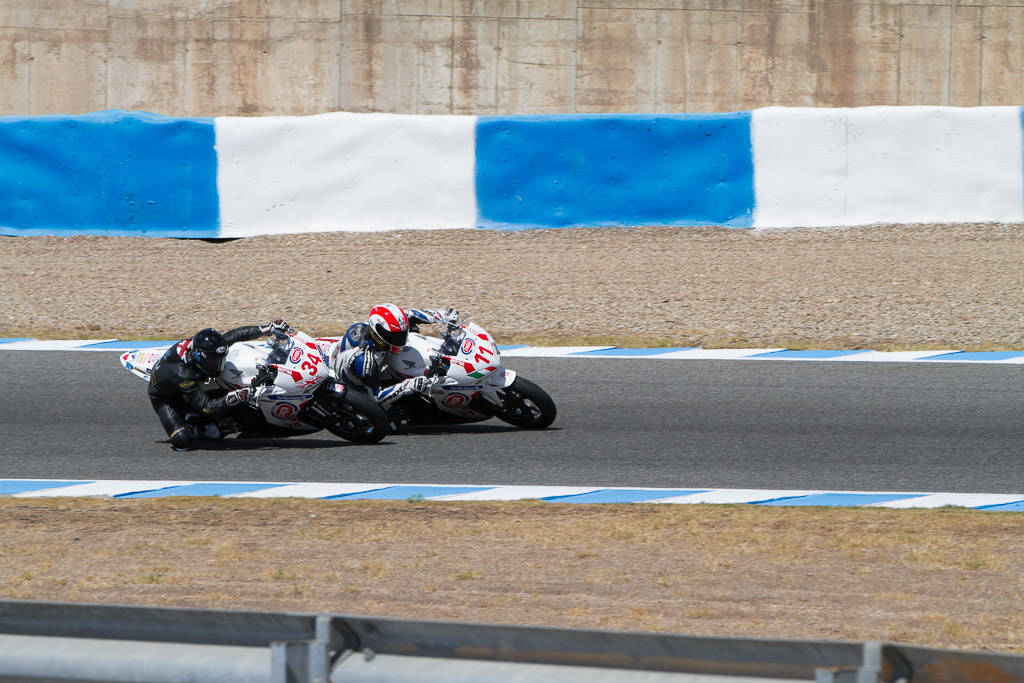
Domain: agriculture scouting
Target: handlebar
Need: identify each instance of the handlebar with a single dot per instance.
(265, 376)
(450, 340)
(439, 364)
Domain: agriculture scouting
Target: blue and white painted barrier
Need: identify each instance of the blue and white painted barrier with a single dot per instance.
(51, 488)
(135, 173)
(523, 351)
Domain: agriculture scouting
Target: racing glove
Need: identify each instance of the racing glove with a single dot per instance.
(274, 326)
(413, 385)
(237, 397)
(449, 316)
(407, 387)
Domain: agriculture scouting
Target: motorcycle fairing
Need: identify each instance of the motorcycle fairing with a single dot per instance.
(282, 409)
(141, 361)
(300, 367)
(451, 396)
(475, 370)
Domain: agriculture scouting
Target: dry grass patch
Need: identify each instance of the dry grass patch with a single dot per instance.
(945, 578)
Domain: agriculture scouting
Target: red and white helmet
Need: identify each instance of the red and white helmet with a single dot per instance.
(389, 327)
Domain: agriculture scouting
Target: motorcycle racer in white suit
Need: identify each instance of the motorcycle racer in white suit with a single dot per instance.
(364, 357)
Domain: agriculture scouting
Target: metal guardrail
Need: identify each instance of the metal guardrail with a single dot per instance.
(77, 642)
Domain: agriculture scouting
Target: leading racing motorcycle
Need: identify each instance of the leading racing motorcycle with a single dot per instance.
(293, 391)
(469, 382)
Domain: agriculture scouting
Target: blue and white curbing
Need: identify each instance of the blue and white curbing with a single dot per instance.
(686, 353)
(44, 488)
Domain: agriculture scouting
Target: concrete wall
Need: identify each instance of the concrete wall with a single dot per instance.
(291, 57)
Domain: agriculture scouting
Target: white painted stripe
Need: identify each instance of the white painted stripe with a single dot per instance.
(345, 172)
(310, 490)
(50, 345)
(935, 164)
(907, 164)
(890, 356)
(799, 166)
(972, 361)
(103, 488)
(937, 500)
(550, 351)
(520, 493)
(737, 496)
(715, 354)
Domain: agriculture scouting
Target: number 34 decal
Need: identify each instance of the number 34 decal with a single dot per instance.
(311, 367)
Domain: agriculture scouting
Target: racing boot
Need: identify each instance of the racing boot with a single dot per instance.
(228, 426)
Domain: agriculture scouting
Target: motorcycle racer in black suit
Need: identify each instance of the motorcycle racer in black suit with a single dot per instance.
(175, 385)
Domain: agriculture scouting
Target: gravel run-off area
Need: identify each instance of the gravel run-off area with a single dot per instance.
(878, 287)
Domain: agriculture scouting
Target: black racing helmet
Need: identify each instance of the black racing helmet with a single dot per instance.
(208, 353)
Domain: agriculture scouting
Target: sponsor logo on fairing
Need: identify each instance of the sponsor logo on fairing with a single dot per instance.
(296, 355)
(467, 346)
(455, 400)
(284, 411)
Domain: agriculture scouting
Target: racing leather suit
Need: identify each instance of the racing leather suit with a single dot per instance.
(175, 389)
(359, 365)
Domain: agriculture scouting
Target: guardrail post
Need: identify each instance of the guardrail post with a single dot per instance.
(299, 661)
(870, 670)
(336, 634)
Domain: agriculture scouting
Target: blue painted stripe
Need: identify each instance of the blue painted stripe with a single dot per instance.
(588, 170)
(771, 501)
(109, 172)
(508, 347)
(804, 354)
(129, 345)
(976, 355)
(11, 487)
(632, 352)
(1008, 507)
(406, 492)
(841, 499)
(8, 340)
(621, 496)
(205, 489)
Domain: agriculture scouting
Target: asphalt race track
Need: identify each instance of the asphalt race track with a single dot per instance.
(654, 423)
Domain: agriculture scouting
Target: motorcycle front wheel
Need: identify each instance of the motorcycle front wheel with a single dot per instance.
(357, 418)
(526, 405)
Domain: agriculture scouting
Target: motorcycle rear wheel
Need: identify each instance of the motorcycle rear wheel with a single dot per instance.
(526, 405)
(357, 418)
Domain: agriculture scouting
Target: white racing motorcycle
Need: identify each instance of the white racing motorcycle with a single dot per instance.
(470, 383)
(293, 390)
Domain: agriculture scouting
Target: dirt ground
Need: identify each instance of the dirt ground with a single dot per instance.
(942, 578)
(880, 287)
(947, 578)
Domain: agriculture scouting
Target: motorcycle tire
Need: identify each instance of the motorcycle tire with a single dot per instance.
(357, 418)
(526, 405)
